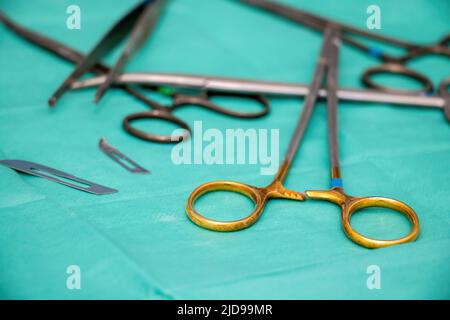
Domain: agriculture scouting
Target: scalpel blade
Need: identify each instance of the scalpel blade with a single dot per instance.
(120, 158)
(39, 170)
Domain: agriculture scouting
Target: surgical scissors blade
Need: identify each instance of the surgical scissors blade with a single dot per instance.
(139, 22)
(63, 51)
(326, 68)
(158, 111)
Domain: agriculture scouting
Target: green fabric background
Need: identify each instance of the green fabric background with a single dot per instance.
(138, 243)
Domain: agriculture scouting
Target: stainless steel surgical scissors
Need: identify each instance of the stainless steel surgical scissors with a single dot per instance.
(168, 82)
(138, 23)
(326, 68)
(147, 13)
(390, 64)
(181, 88)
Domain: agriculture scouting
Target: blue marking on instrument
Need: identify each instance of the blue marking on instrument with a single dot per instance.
(375, 52)
(427, 93)
(336, 183)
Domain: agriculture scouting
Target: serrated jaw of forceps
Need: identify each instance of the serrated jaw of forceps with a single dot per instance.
(39, 170)
(120, 158)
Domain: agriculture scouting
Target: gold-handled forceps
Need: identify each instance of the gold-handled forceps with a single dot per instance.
(326, 67)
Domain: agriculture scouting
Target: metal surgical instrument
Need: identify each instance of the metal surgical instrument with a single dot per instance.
(158, 111)
(51, 174)
(138, 23)
(390, 64)
(326, 68)
(267, 88)
(120, 158)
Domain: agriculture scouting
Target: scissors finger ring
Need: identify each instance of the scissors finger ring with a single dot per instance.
(349, 205)
(155, 114)
(398, 69)
(259, 196)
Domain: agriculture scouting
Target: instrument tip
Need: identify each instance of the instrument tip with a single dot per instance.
(52, 101)
(99, 95)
